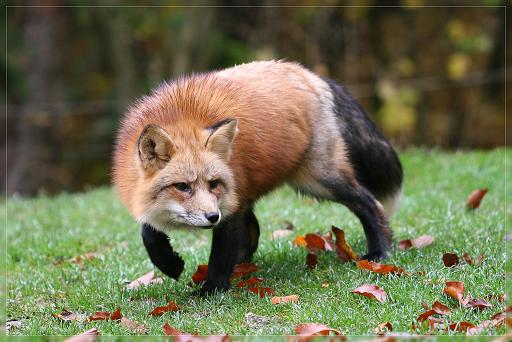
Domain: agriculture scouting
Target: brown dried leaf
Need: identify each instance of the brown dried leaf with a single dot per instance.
(261, 291)
(371, 291)
(66, 315)
(343, 249)
(475, 198)
(86, 336)
(315, 329)
(480, 304)
(379, 268)
(133, 326)
(311, 260)
(160, 310)
(315, 242)
(422, 241)
(424, 316)
(461, 326)
(106, 316)
(383, 328)
(450, 259)
(249, 282)
(440, 308)
(146, 280)
(476, 262)
(244, 269)
(285, 299)
(454, 289)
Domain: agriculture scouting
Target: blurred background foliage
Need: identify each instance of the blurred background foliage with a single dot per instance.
(428, 76)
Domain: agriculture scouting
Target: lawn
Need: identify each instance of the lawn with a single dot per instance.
(43, 233)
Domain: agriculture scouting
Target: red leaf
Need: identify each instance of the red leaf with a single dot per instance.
(249, 282)
(379, 268)
(104, 316)
(314, 329)
(426, 315)
(480, 304)
(315, 242)
(440, 308)
(201, 274)
(311, 260)
(244, 269)
(454, 289)
(261, 291)
(422, 241)
(160, 310)
(133, 326)
(382, 328)
(461, 326)
(474, 198)
(146, 279)
(343, 249)
(285, 299)
(371, 291)
(66, 315)
(450, 259)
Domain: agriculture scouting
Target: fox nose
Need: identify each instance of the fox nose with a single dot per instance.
(212, 217)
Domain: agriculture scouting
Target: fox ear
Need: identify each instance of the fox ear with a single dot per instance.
(155, 148)
(221, 137)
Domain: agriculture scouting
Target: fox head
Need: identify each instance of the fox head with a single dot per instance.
(185, 179)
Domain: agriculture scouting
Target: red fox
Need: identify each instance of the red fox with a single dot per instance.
(201, 150)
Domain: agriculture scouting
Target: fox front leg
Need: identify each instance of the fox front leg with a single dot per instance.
(161, 253)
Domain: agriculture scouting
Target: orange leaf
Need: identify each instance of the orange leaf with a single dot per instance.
(343, 249)
(315, 242)
(285, 299)
(311, 260)
(261, 291)
(300, 241)
(146, 279)
(382, 328)
(160, 310)
(440, 308)
(371, 291)
(475, 198)
(134, 326)
(201, 274)
(426, 315)
(249, 282)
(422, 241)
(244, 269)
(104, 316)
(450, 259)
(379, 268)
(315, 329)
(454, 289)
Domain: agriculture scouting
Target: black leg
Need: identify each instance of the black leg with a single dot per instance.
(234, 241)
(160, 252)
(362, 203)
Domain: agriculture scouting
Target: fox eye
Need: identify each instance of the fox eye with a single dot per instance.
(182, 187)
(214, 183)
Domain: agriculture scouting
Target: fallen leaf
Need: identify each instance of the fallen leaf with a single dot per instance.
(379, 268)
(133, 326)
(343, 249)
(66, 315)
(422, 241)
(315, 329)
(480, 304)
(425, 305)
(371, 291)
(300, 241)
(244, 269)
(311, 260)
(261, 291)
(86, 336)
(315, 243)
(450, 259)
(454, 289)
(440, 308)
(285, 299)
(425, 315)
(461, 326)
(160, 310)
(106, 316)
(475, 198)
(325, 285)
(383, 328)
(476, 262)
(146, 280)
(171, 331)
(495, 321)
(281, 233)
(80, 258)
(201, 274)
(249, 282)
(256, 322)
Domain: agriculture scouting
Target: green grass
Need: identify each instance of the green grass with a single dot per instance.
(43, 232)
